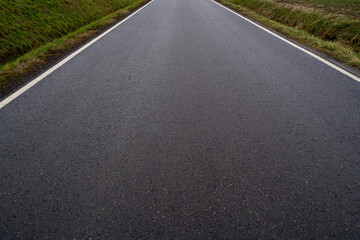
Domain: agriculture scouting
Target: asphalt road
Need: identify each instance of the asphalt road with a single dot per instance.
(185, 122)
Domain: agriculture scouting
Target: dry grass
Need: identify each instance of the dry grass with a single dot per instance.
(341, 7)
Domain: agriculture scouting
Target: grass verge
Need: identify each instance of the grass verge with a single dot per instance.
(13, 73)
(335, 34)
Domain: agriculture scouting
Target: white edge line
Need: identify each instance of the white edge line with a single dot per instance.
(356, 78)
(16, 94)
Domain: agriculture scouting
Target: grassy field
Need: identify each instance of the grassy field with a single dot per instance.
(332, 26)
(32, 31)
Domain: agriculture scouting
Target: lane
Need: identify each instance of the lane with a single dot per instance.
(184, 122)
(6, 100)
(329, 62)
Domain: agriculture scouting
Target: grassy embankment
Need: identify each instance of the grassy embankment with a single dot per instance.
(32, 31)
(331, 26)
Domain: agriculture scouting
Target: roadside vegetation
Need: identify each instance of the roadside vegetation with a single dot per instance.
(331, 26)
(32, 31)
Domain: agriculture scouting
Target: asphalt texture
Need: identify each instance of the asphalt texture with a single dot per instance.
(185, 122)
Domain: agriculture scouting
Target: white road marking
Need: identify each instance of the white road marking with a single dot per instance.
(16, 94)
(343, 71)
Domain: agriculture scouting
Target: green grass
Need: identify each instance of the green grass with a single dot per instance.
(33, 31)
(29, 24)
(320, 28)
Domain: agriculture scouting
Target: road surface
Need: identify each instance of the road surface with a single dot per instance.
(184, 122)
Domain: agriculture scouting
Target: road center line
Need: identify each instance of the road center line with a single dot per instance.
(16, 94)
(343, 71)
